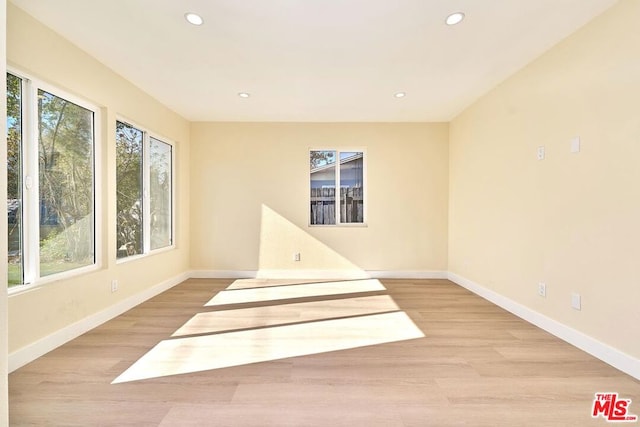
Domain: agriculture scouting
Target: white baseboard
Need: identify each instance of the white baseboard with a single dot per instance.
(407, 274)
(222, 274)
(318, 274)
(602, 351)
(38, 348)
(312, 274)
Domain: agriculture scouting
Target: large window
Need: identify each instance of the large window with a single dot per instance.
(50, 182)
(337, 187)
(144, 180)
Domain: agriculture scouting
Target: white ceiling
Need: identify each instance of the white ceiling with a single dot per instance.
(315, 60)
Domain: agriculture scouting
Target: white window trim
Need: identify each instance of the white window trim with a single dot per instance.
(146, 199)
(365, 184)
(30, 197)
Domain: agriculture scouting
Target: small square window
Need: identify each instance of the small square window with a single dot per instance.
(337, 187)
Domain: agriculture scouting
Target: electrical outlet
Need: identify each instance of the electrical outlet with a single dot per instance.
(114, 285)
(296, 256)
(542, 289)
(541, 153)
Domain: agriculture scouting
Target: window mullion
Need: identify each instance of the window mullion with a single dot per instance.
(146, 199)
(337, 206)
(31, 185)
(173, 196)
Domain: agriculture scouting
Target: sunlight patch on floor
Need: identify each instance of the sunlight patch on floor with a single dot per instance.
(255, 317)
(226, 337)
(274, 293)
(194, 354)
(261, 283)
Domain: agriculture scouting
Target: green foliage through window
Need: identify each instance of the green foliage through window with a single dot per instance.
(129, 141)
(65, 136)
(14, 179)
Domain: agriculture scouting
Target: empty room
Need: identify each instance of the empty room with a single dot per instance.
(321, 213)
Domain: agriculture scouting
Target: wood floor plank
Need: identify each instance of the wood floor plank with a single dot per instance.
(283, 414)
(477, 365)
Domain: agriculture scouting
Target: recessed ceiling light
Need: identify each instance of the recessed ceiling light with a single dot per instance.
(193, 18)
(455, 18)
(243, 95)
(400, 95)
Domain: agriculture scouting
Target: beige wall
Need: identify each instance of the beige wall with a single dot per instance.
(571, 220)
(252, 180)
(34, 49)
(4, 395)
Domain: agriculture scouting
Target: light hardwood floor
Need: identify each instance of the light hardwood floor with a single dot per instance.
(468, 362)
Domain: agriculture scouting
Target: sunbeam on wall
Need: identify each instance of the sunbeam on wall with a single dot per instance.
(282, 327)
(280, 239)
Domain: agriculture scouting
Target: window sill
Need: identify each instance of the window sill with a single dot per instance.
(344, 225)
(142, 256)
(67, 275)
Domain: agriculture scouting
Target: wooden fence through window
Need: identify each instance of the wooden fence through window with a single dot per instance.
(323, 205)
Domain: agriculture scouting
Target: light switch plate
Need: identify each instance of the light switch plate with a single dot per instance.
(575, 144)
(576, 302)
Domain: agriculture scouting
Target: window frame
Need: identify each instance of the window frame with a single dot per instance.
(365, 186)
(147, 135)
(31, 196)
